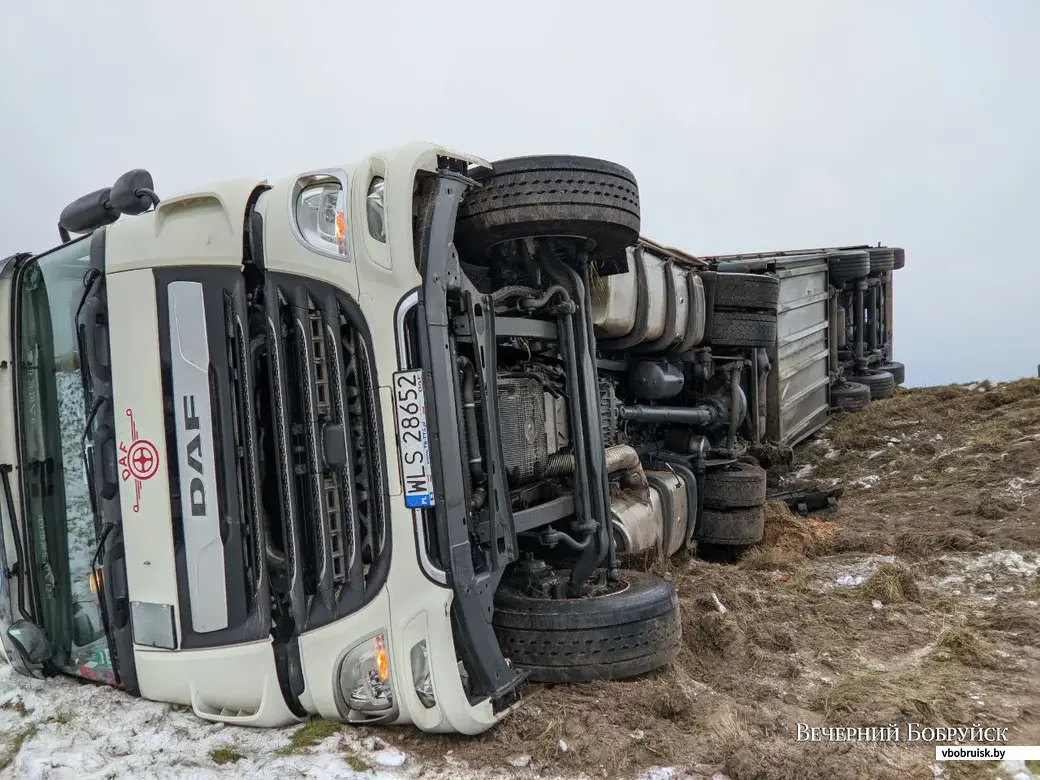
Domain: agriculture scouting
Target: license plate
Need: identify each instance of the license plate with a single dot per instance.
(413, 439)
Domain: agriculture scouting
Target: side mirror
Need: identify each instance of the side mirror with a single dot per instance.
(86, 623)
(133, 192)
(30, 642)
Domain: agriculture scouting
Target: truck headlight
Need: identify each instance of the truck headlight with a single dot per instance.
(422, 679)
(366, 690)
(321, 216)
(375, 206)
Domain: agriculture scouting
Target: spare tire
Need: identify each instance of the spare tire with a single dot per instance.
(881, 383)
(743, 329)
(882, 259)
(847, 266)
(850, 397)
(736, 527)
(550, 196)
(742, 291)
(897, 370)
(610, 637)
(735, 486)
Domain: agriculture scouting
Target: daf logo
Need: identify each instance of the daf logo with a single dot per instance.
(197, 463)
(193, 457)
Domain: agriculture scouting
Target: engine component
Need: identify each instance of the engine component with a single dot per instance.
(693, 415)
(675, 512)
(655, 380)
(557, 433)
(683, 441)
(638, 525)
(608, 411)
(619, 458)
(521, 416)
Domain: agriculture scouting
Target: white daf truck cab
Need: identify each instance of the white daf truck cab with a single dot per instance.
(372, 442)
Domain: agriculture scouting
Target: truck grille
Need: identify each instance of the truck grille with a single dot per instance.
(328, 442)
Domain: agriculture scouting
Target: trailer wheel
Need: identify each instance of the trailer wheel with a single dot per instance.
(742, 291)
(847, 266)
(743, 329)
(850, 397)
(735, 486)
(732, 527)
(897, 370)
(550, 196)
(881, 383)
(611, 637)
(882, 259)
(900, 259)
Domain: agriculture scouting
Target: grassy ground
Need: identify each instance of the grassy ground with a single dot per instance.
(915, 601)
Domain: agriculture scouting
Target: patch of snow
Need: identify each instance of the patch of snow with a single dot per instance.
(95, 732)
(804, 472)
(987, 568)
(868, 482)
(390, 757)
(849, 574)
(1017, 489)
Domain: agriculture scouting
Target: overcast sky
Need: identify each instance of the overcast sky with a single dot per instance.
(750, 125)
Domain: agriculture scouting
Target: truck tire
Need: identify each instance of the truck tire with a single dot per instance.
(742, 291)
(738, 486)
(731, 527)
(743, 329)
(881, 383)
(847, 266)
(850, 397)
(900, 259)
(611, 637)
(546, 196)
(897, 370)
(882, 259)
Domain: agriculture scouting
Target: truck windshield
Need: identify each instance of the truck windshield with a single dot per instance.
(58, 516)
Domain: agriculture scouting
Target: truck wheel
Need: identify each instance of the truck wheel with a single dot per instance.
(881, 383)
(850, 397)
(739, 485)
(733, 527)
(610, 637)
(743, 329)
(882, 259)
(742, 291)
(550, 196)
(897, 370)
(847, 266)
(900, 259)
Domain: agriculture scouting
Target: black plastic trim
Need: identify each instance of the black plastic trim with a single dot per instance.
(242, 532)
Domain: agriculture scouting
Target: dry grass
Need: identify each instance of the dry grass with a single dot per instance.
(961, 644)
(891, 583)
(746, 677)
(311, 733)
(223, 756)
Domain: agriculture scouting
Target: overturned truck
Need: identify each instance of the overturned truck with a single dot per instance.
(374, 442)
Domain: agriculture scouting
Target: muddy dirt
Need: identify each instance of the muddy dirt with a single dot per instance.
(915, 601)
